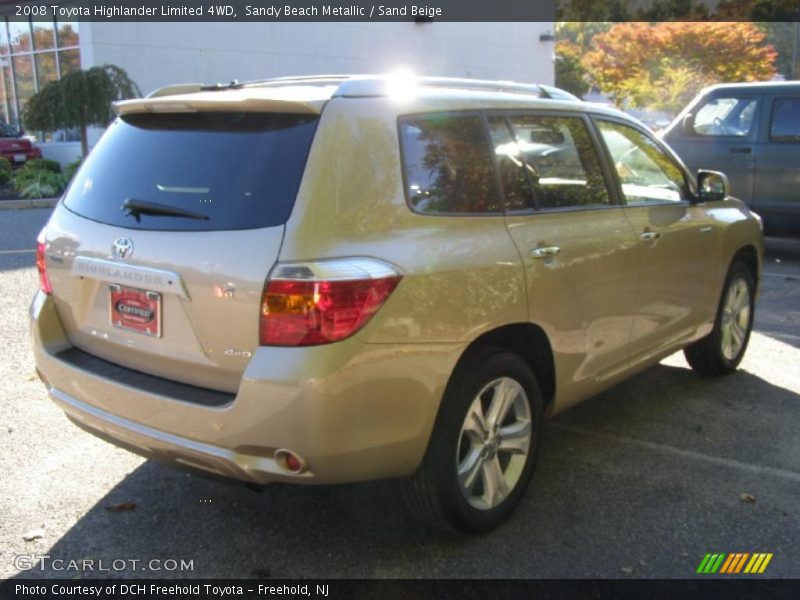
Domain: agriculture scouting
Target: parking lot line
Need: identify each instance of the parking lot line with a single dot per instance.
(723, 462)
(17, 251)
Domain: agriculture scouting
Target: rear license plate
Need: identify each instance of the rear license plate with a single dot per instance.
(19, 158)
(136, 310)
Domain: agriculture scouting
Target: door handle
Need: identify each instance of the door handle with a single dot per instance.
(741, 150)
(545, 251)
(649, 236)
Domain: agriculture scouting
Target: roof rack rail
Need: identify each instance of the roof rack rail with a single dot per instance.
(375, 85)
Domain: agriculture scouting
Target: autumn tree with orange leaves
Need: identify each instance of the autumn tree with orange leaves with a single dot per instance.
(663, 65)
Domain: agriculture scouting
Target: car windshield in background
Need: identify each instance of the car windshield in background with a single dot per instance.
(7, 130)
(229, 170)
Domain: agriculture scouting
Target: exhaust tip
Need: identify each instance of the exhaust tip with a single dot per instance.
(291, 462)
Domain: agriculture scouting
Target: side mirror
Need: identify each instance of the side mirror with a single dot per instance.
(687, 124)
(21, 132)
(712, 186)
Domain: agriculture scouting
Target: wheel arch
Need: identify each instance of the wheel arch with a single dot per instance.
(530, 342)
(749, 256)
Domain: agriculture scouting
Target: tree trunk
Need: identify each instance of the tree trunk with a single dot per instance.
(84, 142)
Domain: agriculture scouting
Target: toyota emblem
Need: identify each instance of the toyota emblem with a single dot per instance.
(122, 248)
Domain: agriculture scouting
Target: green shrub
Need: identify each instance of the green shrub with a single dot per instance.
(69, 170)
(42, 183)
(43, 164)
(5, 170)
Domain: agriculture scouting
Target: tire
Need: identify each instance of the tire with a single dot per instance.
(721, 351)
(484, 497)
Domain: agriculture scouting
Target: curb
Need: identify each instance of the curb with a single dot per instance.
(37, 203)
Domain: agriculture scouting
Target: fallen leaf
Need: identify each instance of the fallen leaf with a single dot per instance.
(121, 506)
(627, 570)
(749, 498)
(33, 534)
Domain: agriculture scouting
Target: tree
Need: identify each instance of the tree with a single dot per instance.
(663, 65)
(574, 39)
(81, 99)
(570, 74)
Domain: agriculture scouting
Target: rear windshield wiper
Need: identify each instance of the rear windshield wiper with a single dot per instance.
(136, 208)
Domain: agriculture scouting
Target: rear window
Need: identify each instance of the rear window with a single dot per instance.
(230, 170)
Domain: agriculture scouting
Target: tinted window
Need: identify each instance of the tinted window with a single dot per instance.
(448, 165)
(514, 172)
(561, 161)
(785, 120)
(725, 117)
(241, 170)
(645, 171)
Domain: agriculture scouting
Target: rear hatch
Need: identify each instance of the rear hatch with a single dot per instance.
(159, 252)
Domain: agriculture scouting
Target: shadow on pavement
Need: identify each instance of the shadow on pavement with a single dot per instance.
(598, 503)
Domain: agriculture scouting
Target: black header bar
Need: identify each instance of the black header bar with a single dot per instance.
(419, 11)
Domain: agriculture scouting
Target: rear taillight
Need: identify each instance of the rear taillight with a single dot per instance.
(310, 303)
(41, 265)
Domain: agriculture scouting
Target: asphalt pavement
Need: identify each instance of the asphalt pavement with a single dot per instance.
(641, 481)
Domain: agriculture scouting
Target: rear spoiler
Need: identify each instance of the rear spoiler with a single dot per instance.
(196, 98)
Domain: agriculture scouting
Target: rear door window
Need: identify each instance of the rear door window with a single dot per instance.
(448, 165)
(230, 170)
(561, 161)
(785, 126)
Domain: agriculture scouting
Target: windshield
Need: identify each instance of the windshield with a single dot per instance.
(7, 130)
(236, 170)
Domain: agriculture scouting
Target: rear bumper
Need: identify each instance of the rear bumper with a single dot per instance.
(30, 154)
(353, 411)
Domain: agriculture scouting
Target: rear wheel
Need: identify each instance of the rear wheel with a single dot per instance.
(722, 350)
(484, 445)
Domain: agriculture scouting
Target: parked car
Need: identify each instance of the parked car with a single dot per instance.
(335, 279)
(16, 148)
(751, 131)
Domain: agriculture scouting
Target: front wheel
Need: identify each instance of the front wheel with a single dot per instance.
(722, 350)
(484, 445)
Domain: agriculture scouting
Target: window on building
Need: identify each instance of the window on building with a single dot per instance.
(32, 54)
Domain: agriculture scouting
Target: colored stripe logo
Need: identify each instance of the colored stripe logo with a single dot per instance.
(734, 563)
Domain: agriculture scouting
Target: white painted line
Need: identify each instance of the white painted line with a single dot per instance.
(716, 460)
(17, 251)
(783, 276)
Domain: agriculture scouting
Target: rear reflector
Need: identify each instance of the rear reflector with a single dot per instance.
(311, 303)
(41, 265)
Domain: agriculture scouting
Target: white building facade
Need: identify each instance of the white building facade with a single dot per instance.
(156, 54)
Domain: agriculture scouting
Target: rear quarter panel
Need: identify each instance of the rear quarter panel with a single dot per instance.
(462, 275)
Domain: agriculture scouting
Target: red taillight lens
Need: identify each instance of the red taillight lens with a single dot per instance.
(306, 313)
(41, 265)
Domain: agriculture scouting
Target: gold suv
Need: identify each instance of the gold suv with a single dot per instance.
(333, 279)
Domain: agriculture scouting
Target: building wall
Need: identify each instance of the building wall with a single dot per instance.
(157, 54)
